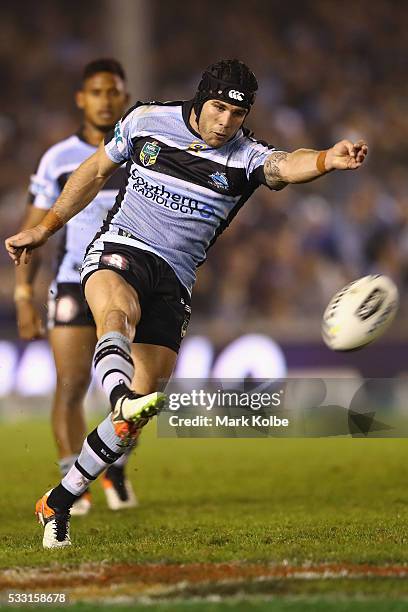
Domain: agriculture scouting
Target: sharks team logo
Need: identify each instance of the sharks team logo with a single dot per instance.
(219, 179)
(148, 154)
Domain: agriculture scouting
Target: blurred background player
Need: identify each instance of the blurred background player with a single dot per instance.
(102, 99)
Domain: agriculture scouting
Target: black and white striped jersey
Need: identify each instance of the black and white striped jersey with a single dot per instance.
(179, 193)
(45, 186)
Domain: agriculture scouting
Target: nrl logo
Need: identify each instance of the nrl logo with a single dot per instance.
(220, 180)
(148, 154)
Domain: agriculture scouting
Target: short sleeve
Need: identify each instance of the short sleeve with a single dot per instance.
(118, 143)
(257, 153)
(44, 188)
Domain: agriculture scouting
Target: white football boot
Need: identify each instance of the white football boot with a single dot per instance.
(55, 523)
(133, 411)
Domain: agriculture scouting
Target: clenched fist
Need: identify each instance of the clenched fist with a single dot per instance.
(345, 155)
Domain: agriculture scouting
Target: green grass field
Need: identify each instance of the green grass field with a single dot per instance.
(288, 501)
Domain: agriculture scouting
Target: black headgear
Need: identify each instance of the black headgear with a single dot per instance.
(238, 91)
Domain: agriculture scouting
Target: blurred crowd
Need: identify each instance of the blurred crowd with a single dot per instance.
(325, 72)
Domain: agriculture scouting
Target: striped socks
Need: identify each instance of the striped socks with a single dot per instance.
(114, 369)
(114, 365)
(101, 448)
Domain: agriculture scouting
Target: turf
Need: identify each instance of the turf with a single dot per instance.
(265, 500)
(220, 500)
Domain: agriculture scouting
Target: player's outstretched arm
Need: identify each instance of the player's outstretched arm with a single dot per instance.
(304, 165)
(80, 189)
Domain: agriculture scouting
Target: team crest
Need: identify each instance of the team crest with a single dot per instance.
(148, 154)
(220, 180)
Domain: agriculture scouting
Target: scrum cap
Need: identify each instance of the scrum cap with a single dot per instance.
(228, 80)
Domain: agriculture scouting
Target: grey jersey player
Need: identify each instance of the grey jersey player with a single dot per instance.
(189, 169)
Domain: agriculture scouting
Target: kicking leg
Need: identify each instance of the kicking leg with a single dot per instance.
(116, 310)
(154, 365)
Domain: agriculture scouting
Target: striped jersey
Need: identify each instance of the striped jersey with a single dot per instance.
(45, 186)
(179, 193)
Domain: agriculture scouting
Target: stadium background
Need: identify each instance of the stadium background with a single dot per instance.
(319, 524)
(324, 74)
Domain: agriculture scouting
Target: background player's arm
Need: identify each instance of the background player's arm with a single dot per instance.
(304, 165)
(81, 188)
(28, 319)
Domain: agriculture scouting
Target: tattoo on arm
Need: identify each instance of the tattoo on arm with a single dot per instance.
(271, 169)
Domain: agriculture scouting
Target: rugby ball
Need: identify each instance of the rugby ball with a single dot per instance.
(359, 313)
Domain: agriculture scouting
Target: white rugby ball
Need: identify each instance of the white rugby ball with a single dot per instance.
(359, 313)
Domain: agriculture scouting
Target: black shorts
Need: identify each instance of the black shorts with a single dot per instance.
(165, 303)
(67, 306)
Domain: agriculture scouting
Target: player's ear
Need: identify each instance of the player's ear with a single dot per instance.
(79, 99)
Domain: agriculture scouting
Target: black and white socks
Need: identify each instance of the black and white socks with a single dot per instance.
(101, 448)
(114, 369)
(114, 365)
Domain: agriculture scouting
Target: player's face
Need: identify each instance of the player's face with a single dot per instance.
(219, 122)
(103, 100)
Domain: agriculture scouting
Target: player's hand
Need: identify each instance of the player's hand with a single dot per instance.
(345, 155)
(24, 242)
(29, 321)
